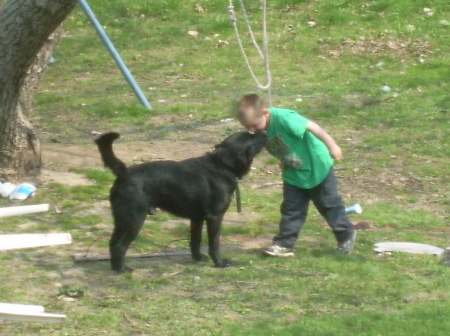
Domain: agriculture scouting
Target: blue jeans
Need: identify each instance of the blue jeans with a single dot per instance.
(328, 202)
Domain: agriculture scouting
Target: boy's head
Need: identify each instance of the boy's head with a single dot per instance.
(251, 113)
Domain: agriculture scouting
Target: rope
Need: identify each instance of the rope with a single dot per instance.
(264, 53)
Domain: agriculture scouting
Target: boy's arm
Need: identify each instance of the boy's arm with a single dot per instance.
(319, 132)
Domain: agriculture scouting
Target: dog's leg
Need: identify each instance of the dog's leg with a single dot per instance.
(118, 249)
(196, 239)
(125, 232)
(214, 225)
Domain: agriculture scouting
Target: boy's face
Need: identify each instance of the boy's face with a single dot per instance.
(256, 124)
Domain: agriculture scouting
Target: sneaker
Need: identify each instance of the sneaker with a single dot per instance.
(346, 247)
(279, 251)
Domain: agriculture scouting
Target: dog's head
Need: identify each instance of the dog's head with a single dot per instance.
(237, 151)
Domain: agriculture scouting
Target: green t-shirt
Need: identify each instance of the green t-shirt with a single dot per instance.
(306, 159)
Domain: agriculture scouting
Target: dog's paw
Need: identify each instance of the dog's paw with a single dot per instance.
(199, 257)
(223, 264)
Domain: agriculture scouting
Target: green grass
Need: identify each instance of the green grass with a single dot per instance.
(396, 148)
(368, 323)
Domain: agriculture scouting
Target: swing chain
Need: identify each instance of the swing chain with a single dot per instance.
(264, 53)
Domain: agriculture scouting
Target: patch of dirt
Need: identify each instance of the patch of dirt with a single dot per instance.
(407, 47)
(180, 144)
(64, 177)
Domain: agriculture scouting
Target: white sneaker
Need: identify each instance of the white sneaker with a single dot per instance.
(346, 247)
(278, 251)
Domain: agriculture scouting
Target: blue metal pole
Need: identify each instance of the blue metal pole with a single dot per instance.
(112, 50)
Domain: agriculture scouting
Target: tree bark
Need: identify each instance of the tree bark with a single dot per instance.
(28, 35)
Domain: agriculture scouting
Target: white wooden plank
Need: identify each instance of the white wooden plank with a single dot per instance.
(414, 248)
(32, 317)
(23, 210)
(27, 313)
(24, 240)
(20, 308)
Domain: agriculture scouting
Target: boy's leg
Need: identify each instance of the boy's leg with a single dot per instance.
(293, 215)
(329, 203)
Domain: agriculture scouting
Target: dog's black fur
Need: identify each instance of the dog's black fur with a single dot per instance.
(199, 188)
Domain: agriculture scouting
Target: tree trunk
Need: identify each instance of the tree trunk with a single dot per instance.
(28, 35)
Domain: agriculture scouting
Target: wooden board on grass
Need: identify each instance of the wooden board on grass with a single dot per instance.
(28, 240)
(27, 313)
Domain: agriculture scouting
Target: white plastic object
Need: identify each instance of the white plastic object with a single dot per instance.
(408, 247)
(6, 188)
(356, 208)
(30, 240)
(23, 210)
(22, 192)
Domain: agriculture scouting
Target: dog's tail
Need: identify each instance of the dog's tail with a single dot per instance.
(104, 143)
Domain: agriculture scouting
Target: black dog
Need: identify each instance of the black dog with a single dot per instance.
(198, 188)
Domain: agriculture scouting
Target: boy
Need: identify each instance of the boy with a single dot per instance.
(306, 153)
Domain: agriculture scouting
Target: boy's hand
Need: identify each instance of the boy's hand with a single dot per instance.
(336, 152)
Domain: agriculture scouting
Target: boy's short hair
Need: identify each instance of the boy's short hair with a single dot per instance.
(249, 106)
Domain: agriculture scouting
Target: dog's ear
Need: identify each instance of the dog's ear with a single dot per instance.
(225, 155)
(235, 161)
